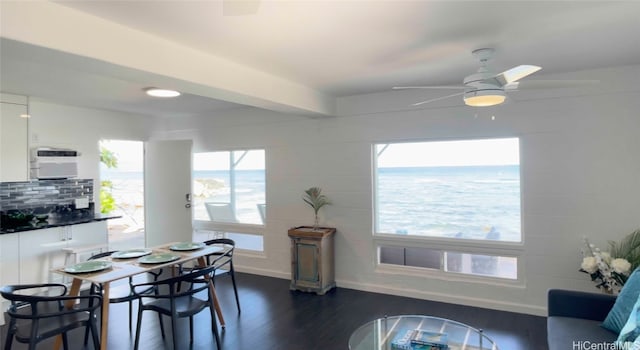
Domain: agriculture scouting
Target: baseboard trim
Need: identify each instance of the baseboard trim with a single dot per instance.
(263, 272)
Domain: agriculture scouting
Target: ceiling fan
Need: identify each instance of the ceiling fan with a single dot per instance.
(486, 88)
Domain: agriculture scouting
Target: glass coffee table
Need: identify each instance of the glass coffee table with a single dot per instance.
(387, 334)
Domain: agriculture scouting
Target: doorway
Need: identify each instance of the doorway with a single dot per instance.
(122, 192)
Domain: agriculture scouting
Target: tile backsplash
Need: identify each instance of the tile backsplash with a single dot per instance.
(38, 193)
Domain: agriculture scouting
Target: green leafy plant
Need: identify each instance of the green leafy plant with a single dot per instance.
(628, 248)
(108, 158)
(107, 202)
(316, 200)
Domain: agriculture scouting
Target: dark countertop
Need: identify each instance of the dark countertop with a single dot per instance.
(58, 221)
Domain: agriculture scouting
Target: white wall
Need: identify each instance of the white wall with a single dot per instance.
(58, 125)
(580, 177)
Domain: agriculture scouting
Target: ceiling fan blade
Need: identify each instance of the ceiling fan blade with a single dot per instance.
(438, 98)
(548, 84)
(516, 73)
(441, 87)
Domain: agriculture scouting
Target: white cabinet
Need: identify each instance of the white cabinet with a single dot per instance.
(10, 257)
(10, 260)
(42, 250)
(14, 149)
(39, 251)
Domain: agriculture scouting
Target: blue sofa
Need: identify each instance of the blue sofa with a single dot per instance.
(575, 317)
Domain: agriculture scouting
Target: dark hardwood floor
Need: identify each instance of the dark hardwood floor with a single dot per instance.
(274, 318)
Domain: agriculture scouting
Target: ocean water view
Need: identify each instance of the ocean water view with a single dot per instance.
(474, 202)
(213, 186)
(207, 186)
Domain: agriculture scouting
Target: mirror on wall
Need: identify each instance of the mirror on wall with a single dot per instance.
(14, 138)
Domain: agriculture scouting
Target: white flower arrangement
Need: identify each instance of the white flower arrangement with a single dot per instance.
(609, 273)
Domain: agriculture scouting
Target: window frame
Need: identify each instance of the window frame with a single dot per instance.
(446, 244)
(235, 227)
(504, 249)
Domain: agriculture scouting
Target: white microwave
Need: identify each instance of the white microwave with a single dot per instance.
(54, 163)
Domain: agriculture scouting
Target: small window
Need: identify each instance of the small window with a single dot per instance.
(229, 187)
(418, 257)
(449, 261)
(244, 241)
(483, 265)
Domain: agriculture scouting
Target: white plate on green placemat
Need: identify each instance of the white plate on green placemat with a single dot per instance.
(158, 258)
(88, 266)
(183, 246)
(131, 253)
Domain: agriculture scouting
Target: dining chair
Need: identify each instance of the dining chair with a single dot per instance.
(220, 211)
(222, 262)
(176, 301)
(124, 293)
(262, 210)
(36, 317)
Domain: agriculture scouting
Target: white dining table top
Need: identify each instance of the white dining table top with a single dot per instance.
(123, 268)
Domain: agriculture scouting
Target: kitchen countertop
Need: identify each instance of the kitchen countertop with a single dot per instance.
(58, 221)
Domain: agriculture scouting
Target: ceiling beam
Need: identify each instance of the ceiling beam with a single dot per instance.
(56, 27)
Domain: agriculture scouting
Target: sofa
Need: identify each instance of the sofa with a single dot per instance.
(574, 319)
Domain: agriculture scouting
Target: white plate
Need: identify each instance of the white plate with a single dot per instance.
(187, 246)
(132, 253)
(158, 258)
(88, 266)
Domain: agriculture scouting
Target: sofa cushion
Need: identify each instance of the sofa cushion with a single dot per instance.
(621, 310)
(563, 333)
(631, 330)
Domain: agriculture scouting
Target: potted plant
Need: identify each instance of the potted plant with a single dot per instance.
(316, 200)
(312, 250)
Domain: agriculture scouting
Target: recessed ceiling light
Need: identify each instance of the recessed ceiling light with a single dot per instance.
(25, 116)
(156, 92)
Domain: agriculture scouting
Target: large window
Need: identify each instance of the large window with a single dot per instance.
(229, 186)
(449, 191)
(229, 195)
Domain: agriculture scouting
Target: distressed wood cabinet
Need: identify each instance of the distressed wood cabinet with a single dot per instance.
(312, 259)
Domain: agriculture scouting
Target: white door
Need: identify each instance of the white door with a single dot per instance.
(167, 192)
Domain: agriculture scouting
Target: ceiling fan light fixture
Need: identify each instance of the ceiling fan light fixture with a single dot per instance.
(164, 93)
(484, 98)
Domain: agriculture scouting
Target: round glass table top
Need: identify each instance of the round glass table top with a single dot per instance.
(414, 332)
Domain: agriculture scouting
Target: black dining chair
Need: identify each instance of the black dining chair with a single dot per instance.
(178, 297)
(40, 311)
(223, 262)
(123, 293)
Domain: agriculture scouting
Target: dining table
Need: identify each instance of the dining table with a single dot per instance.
(133, 264)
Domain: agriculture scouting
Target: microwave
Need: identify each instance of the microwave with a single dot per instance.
(54, 163)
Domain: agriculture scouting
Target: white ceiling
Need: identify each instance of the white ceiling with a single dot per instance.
(337, 48)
